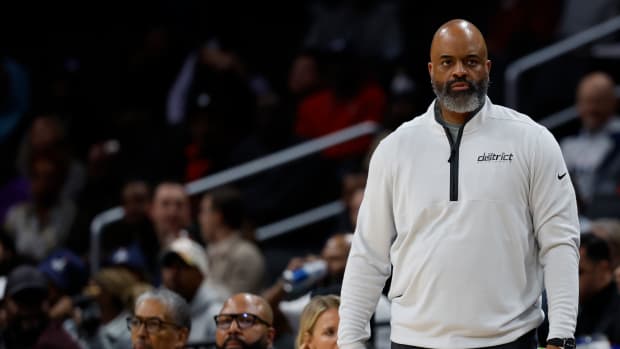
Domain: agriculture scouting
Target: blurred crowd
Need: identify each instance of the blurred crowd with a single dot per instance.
(129, 112)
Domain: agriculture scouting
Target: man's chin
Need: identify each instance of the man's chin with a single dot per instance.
(233, 345)
(141, 345)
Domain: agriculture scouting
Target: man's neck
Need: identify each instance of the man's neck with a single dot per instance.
(452, 117)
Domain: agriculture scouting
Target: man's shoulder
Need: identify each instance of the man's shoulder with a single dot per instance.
(503, 113)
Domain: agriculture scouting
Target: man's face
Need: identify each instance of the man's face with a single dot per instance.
(303, 75)
(595, 104)
(180, 277)
(257, 336)
(166, 337)
(136, 201)
(335, 253)
(593, 276)
(170, 210)
(459, 69)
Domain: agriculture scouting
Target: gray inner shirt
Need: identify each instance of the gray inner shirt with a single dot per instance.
(453, 128)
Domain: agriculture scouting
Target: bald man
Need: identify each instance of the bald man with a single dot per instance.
(245, 322)
(469, 207)
(598, 138)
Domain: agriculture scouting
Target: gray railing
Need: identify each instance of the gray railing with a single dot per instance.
(245, 170)
(517, 68)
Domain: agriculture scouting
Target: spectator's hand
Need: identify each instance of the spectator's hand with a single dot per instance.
(62, 309)
(295, 263)
(298, 262)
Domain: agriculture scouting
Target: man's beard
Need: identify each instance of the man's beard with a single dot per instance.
(461, 101)
(261, 343)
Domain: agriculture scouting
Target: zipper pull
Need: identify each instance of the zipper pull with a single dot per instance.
(452, 154)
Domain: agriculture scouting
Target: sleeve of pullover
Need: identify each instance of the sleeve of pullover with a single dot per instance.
(555, 220)
(368, 265)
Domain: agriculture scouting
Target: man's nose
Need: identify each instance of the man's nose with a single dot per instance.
(459, 69)
(234, 327)
(141, 330)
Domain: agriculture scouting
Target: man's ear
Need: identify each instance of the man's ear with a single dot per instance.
(430, 70)
(271, 335)
(182, 335)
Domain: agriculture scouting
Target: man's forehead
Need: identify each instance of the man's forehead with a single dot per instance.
(170, 192)
(458, 38)
(150, 308)
(237, 307)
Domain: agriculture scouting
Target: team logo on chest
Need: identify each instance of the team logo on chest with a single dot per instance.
(495, 157)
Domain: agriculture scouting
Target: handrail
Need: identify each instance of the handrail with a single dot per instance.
(514, 70)
(241, 171)
(299, 220)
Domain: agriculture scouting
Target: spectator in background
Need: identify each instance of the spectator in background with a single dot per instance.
(104, 178)
(47, 132)
(110, 291)
(599, 138)
(28, 323)
(289, 300)
(245, 321)
(353, 185)
(608, 229)
(170, 212)
(161, 320)
(185, 270)
(350, 97)
(212, 95)
(134, 231)
(67, 275)
(305, 74)
(131, 258)
(599, 301)
(234, 262)
(43, 223)
(318, 326)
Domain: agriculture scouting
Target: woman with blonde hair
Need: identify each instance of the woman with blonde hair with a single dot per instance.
(318, 326)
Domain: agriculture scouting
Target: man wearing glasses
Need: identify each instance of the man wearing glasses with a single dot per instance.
(161, 321)
(245, 322)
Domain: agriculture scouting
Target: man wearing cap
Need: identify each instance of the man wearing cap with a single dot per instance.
(28, 323)
(184, 271)
(67, 275)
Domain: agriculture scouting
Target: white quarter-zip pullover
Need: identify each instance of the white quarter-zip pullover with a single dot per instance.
(473, 231)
